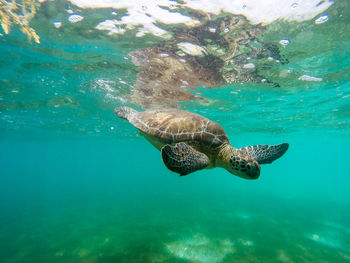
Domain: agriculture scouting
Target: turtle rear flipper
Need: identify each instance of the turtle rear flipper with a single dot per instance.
(264, 154)
(183, 159)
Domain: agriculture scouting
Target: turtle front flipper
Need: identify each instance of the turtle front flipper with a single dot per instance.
(264, 154)
(183, 159)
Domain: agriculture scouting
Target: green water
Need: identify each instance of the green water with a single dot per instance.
(78, 185)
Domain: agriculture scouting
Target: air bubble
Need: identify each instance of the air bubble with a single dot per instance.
(249, 66)
(226, 30)
(321, 19)
(284, 42)
(57, 24)
(294, 5)
(75, 18)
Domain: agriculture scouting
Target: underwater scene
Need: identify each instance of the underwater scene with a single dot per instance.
(80, 184)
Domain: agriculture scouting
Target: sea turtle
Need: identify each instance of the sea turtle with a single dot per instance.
(189, 142)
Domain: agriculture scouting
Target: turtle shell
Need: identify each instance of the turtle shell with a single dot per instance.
(172, 126)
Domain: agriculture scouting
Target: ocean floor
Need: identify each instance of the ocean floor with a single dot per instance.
(174, 231)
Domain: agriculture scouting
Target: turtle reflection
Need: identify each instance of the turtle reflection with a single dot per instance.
(218, 52)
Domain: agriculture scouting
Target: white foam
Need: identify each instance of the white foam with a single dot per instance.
(140, 13)
(146, 13)
(264, 11)
(111, 26)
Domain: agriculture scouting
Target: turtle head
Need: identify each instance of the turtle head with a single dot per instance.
(239, 163)
(243, 165)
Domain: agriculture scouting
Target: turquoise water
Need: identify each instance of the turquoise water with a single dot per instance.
(78, 185)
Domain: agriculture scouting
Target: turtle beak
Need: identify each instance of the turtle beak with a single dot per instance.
(257, 171)
(253, 170)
